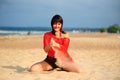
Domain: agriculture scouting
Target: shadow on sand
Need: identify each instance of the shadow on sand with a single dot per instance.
(18, 69)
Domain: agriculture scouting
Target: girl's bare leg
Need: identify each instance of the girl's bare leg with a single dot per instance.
(72, 68)
(40, 66)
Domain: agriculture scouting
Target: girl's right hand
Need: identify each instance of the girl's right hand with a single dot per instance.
(53, 43)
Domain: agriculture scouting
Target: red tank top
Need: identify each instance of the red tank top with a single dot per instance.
(64, 42)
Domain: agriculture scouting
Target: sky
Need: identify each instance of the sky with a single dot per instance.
(75, 13)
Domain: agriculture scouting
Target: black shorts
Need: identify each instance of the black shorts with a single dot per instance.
(51, 61)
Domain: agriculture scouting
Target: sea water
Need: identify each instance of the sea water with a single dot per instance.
(9, 30)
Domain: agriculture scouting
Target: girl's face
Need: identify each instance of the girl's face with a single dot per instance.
(57, 26)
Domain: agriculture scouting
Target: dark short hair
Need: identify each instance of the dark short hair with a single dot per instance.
(55, 19)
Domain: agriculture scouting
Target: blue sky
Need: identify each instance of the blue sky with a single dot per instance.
(76, 13)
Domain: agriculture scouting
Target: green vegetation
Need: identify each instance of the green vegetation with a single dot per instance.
(115, 28)
(103, 30)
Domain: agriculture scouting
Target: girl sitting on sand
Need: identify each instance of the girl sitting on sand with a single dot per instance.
(55, 41)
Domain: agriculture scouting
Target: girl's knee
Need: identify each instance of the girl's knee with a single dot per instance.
(36, 68)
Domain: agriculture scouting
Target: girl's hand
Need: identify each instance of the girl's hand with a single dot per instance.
(53, 43)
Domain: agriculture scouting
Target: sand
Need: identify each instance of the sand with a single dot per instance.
(98, 55)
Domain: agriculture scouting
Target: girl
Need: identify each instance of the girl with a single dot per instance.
(55, 38)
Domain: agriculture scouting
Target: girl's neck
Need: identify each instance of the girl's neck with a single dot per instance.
(58, 34)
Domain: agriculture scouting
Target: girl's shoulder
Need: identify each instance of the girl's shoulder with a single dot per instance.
(65, 35)
(47, 34)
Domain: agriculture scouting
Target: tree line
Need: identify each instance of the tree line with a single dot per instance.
(115, 28)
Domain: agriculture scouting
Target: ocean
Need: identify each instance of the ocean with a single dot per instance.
(10, 31)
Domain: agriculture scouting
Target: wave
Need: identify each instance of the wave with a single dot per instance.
(10, 33)
(8, 30)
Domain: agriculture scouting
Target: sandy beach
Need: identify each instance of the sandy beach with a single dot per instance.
(98, 55)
